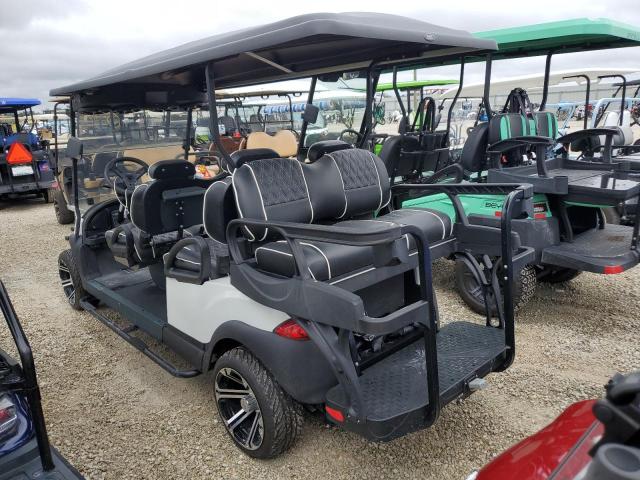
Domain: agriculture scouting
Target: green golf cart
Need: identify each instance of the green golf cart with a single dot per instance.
(568, 229)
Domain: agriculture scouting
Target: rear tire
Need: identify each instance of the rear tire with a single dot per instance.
(270, 420)
(471, 293)
(70, 279)
(63, 214)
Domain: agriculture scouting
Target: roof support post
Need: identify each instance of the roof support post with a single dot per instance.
(586, 97)
(487, 86)
(453, 102)
(187, 140)
(545, 87)
(290, 108)
(213, 114)
(303, 129)
(623, 100)
(16, 120)
(367, 125)
(405, 115)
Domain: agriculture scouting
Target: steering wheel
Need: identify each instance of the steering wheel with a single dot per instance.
(351, 131)
(125, 178)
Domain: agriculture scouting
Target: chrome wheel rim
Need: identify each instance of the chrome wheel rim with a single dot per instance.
(68, 287)
(239, 409)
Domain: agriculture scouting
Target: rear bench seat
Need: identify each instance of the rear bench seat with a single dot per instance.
(339, 188)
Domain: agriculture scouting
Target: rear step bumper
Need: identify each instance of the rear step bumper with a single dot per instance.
(599, 251)
(26, 187)
(395, 389)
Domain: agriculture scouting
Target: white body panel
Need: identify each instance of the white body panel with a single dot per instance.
(198, 310)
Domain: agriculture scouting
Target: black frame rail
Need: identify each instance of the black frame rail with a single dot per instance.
(29, 385)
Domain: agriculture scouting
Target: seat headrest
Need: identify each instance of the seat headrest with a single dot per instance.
(240, 157)
(166, 169)
(318, 149)
(284, 142)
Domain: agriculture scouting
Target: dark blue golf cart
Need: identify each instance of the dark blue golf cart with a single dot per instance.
(25, 452)
(25, 166)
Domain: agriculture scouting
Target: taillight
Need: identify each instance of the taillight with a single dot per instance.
(292, 330)
(337, 415)
(613, 269)
(540, 210)
(8, 415)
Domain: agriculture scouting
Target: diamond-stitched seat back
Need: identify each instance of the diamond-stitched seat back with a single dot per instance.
(272, 189)
(342, 184)
(365, 181)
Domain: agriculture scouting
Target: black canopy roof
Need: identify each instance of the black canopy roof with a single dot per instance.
(296, 47)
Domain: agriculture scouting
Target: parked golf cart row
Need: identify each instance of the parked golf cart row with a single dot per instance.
(25, 165)
(305, 279)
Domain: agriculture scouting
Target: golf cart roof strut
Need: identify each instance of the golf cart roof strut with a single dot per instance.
(624, 94)
(586, 97)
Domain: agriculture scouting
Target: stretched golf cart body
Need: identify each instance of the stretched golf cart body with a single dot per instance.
(25, 165)
(272, 275)
(25, 451)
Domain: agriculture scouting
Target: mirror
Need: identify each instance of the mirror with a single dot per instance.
(310, 114)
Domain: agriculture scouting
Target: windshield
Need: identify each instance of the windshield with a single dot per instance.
(147, 136)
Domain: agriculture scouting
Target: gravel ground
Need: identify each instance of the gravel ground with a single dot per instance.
(116, 415)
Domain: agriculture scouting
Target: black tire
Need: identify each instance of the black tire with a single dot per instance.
(63, 214)
(70, 279)
(471, 293)
(48, 195)
(558, 275)
(279, 416)
(611, 215)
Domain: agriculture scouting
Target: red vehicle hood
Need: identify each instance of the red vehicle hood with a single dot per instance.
(540, 455)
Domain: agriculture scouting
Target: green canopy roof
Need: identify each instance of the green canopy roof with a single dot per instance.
(576, 35)
(415, 84)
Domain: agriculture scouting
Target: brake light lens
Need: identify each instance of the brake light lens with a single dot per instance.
(337, 415)
(18, 154)
(8, 415)
(292, 330)
(612, 269)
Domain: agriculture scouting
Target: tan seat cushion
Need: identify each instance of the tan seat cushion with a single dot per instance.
(284, 142)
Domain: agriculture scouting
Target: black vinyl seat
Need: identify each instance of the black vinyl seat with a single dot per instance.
(161, 212)
(348, 187)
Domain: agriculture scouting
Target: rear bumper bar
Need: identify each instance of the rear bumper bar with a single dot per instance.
(27, 187)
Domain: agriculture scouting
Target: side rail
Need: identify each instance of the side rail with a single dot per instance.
(331, 314)
(29, 386)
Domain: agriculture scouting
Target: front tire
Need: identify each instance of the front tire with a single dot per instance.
(63, 214)
(70, 279)
(260, 417)
(471, 293)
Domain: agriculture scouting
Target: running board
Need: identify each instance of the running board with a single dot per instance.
(138, 343)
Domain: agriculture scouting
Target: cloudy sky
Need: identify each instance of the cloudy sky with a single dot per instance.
(50, 43)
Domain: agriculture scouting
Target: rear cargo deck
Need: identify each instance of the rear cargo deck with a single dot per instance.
(396, 387)
(606, 250)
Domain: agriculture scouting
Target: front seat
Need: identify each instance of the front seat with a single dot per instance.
(161, 212)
